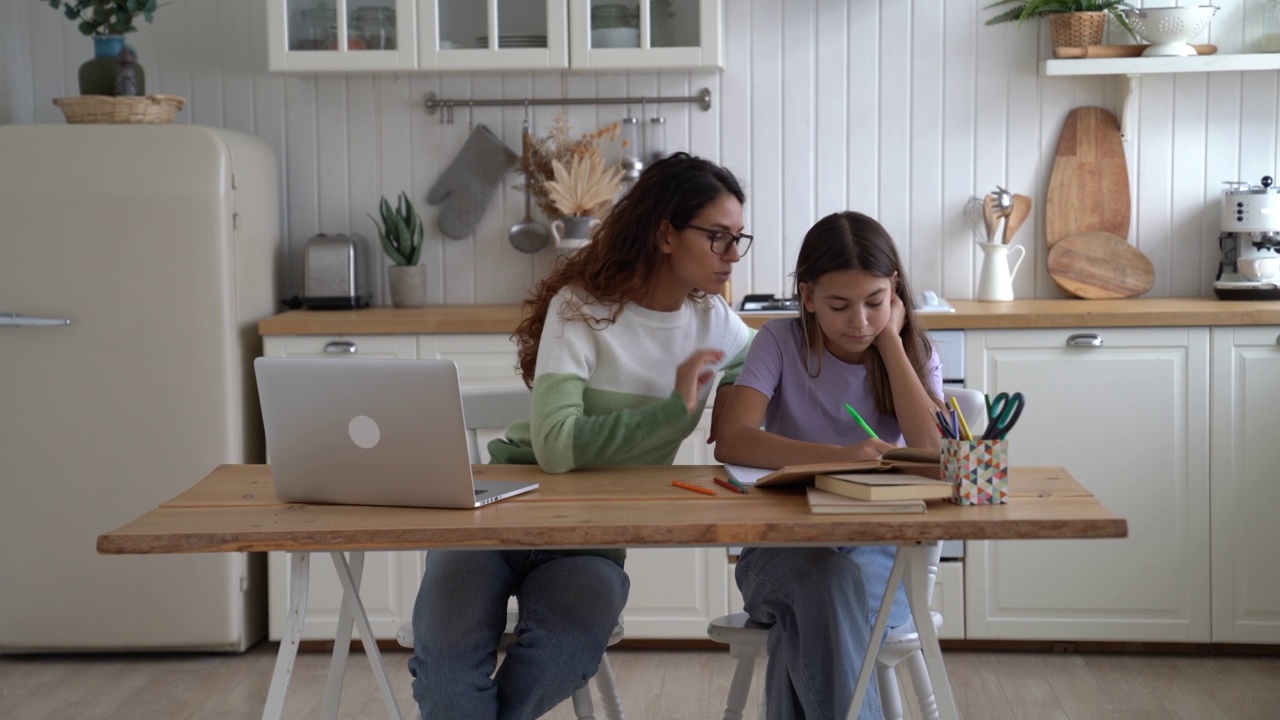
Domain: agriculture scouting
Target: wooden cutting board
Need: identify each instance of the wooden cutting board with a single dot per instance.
(1089, 185)
(1098, 265)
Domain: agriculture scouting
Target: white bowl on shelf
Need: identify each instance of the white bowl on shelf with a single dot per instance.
(1169, 28)
(615, 37)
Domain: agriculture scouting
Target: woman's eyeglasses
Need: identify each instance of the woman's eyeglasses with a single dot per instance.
(722, 240)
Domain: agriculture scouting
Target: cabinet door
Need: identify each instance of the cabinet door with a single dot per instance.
(390, 580)
(645, 34)
(1127, 418)
(341, 35)
(1246, 484)
(492, 35)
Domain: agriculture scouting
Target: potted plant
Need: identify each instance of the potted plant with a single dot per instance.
(401, 234)
(1072, 23)
(571, 179)
(106, 21)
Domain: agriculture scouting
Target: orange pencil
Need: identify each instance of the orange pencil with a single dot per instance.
(727, 486)
(695, 488)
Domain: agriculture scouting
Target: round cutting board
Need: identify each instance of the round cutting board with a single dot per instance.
(1089, 185)
(1099, 265)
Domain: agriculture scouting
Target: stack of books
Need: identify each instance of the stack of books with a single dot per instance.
(874, 492)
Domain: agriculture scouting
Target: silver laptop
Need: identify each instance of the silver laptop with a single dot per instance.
(370, 432)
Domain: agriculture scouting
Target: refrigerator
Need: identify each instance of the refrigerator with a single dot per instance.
(135, 263)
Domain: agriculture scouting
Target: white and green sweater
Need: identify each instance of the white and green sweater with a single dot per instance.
(606, 395)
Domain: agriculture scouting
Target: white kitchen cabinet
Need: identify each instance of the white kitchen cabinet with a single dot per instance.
(1127, 418)
(674, 592)
(316, 36)
(342, 35)
(1245, 484)
(671, 34)
(492, 35)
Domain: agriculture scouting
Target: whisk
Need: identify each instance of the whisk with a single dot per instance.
(973, 214)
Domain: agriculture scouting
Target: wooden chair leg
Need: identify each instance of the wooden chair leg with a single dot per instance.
(740, 686)
(608, 687)
(890, 694)
(924, 687)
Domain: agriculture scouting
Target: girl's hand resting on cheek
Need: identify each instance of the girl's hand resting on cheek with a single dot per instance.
(694, 374)
(868, 449)
(892, 331)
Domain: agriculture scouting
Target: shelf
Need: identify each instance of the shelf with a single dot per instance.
(1133, 68)
(1148, 65)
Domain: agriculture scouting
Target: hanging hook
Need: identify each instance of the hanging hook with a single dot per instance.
(471, 124)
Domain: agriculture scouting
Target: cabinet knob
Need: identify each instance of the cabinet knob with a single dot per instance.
(1085, 340)
(338, 347)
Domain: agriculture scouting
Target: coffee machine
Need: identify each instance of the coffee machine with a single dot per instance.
(1250, 242)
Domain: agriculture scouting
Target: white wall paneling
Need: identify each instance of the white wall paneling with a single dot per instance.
(899, 108)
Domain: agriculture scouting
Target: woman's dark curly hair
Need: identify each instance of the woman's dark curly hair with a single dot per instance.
(623, 255)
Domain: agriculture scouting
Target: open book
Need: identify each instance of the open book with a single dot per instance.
(822, 502)
(915, 461)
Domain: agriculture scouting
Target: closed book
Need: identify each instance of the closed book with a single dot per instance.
(866, 486)
(822, 502)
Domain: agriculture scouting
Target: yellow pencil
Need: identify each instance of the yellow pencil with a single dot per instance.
(963, 425)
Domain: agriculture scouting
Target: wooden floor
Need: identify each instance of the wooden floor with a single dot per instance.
(655, 684)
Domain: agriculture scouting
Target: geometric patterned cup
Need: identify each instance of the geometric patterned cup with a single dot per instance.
(978, 471)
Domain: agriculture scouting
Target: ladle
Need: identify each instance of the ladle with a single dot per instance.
(528, 235)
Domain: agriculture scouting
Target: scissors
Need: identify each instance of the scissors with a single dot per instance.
(1003, 413)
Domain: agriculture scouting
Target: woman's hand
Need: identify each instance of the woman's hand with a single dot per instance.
(694, 374)
(868, 449)
(892, 331)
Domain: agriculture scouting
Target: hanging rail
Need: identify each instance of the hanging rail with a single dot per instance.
(702, 99)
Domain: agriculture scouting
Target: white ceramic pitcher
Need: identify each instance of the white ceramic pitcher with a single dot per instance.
(996, 282)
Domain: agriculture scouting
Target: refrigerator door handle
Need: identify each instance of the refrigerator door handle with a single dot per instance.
(16, 320)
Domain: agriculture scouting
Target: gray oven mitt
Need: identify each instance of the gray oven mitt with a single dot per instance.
(468, 184)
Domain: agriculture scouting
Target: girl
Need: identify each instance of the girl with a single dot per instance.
(856, 341)
(619, 345)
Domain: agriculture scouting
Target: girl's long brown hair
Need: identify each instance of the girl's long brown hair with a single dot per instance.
(623, 255)
(853, 241)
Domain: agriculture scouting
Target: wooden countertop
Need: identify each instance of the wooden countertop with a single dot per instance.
(969, 315)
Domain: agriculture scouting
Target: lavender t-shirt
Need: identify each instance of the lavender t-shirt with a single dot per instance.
(812, 408)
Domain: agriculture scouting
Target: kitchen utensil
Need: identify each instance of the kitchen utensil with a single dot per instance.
(1114, 51)
(974, 212)
(1017, 215)
(1099, 265)
(1089, 185)
(1169, 28)
(1004, 201)
(989, 218)
(995, 284)
(528, 235)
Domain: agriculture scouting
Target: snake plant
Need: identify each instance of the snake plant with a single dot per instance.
(400, 231)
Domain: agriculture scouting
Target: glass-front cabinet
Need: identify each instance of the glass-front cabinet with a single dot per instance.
(516, 35)
(640, 34)
(342, 35)
(492, 35)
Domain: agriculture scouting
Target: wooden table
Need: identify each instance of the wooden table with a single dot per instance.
(234, 509)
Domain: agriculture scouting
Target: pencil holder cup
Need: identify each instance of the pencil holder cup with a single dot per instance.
(978, 471)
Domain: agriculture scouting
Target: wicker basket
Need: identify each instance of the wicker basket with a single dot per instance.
(1077, 29)
(151, 109)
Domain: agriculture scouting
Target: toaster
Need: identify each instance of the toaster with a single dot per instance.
(336, 272)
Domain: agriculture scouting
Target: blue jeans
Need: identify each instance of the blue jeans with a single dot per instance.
(821, 603)
(569, 605)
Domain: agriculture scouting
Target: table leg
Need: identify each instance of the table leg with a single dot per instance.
(351, 599)
(342, 644)
(877, 633)
(917, 588)
(298, 585)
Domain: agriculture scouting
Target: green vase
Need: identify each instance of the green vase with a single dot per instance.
(98, 76)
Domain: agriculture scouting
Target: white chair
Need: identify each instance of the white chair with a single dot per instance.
(498, 407)
(748, 640)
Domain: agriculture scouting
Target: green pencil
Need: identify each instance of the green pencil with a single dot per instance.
(861, 422)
